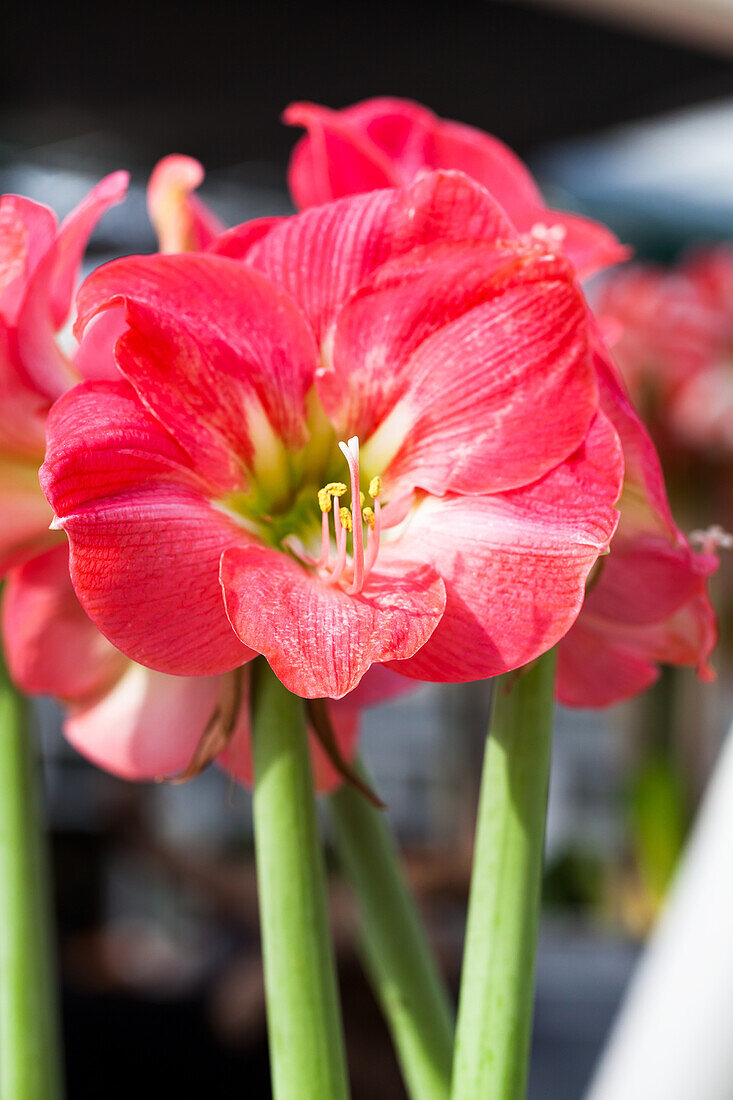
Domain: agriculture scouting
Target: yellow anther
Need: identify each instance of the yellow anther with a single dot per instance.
(368, 514)
(362, 498)
(346, 521)
(375, 487)
(324, 500)
(335, 488)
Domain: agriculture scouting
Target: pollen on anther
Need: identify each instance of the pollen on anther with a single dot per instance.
(345, 516)
(324, 500)
(368, 514)
(335, 488)
(375, 487)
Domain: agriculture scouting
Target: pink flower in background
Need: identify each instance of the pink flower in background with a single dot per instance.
(406, 345)
(675, 345)
(387, 142)
(649, 603)
(39, 262)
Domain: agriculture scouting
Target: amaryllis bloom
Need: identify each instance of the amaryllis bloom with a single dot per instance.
(371, 439)
(647, 604)
(675, 345)
(134, 722)
(387, 142)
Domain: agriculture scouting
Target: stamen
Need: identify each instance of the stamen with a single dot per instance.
(375, 530)
(350, 520)
(350, 452)
(338, 568)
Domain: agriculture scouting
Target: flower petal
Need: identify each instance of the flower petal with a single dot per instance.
(335, 159)
(26, 514)
(48, 295)
(182, 221)
(592, 671)
(319, 640)
(51, 645)
(219, 353)
(73, 236)
(514, 564)
(645, 580)
(145, 539)
(27, 232)
(94, 359)
(385, 142)
(148, 726)
(456, 349)
(323, 254)
(605, 662)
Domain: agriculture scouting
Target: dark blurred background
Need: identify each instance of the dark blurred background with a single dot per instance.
(156, 900)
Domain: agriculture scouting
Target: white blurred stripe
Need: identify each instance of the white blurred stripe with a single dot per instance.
(695, 22)
(673, 1039)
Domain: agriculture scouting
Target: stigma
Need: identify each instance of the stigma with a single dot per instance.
(349, 521)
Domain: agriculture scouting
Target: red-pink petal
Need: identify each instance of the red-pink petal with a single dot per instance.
(335, 159)
(26, 516)
(213, 348)
(145, 538)
(592, 671)
(181, 220)
(514, 564)
(147, 726)
(27, 232)
(319, 640)
(456, 349)
(237, 242)
(601, 662)
(73, 236)
(48, 295)
(323, 254)
(589, 245)
(94, 359)
(645, 580)
(51, 645)
(385, 141)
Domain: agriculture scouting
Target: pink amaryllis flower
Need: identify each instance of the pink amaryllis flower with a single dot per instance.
(675, 345)
(387, 142)
(648, 604)
(372, 439)
(134, 722)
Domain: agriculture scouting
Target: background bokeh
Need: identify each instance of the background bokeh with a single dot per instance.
(155, 892)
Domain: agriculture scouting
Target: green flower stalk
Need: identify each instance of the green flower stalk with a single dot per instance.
(397, 955)
(30, 1060)
(303, 1016)
(497, 988)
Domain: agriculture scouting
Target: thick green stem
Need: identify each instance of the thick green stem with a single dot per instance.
(401, 966)
(306, 1039)
(30, 1062)
(497, 987)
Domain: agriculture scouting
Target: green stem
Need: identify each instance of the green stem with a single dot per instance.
(306, 1040)
(30, 1061)
(497, 988)
(401, 966)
